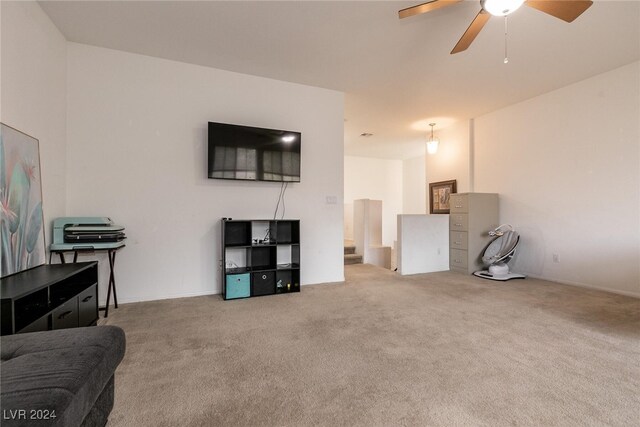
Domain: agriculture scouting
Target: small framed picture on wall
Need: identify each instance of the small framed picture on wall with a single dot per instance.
(439, 196)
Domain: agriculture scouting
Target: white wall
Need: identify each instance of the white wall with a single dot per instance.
(414, 188)
(376, 179)
(452, 159)
(33, 97)
(137, 131)
(367, 232)
(348, 222)
(423, 243)
(567, 167)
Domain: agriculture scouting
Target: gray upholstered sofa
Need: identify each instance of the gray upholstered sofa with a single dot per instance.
(60, 378)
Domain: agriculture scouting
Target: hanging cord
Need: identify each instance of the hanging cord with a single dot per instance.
(506, 59)
(282, 187)
(284, 207)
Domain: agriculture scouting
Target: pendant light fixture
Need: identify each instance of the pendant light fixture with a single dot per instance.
(432, 142)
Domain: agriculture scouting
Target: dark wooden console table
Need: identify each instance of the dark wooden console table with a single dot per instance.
(50, 297)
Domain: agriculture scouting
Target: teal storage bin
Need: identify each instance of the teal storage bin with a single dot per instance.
(238, 286)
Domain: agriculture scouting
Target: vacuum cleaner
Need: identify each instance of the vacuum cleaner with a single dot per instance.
(498, 253)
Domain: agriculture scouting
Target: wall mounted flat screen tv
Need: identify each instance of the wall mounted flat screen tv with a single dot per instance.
(253, 154)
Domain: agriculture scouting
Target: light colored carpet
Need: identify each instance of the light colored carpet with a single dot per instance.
(439, 349)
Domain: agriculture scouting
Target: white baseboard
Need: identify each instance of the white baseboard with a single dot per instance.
(195, 294)
(167, 296)
(583, 285)
(199, 294)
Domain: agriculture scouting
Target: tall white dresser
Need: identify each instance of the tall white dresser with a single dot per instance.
(471, 218)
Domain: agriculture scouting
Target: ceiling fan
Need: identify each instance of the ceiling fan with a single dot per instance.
(567, 10)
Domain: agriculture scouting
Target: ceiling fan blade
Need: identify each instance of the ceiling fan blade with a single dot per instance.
(562, 9)
(474, 29)
(426, 7)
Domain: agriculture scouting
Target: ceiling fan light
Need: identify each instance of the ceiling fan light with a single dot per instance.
(501, 7)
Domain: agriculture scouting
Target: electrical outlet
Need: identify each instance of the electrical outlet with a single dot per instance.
(556, 258)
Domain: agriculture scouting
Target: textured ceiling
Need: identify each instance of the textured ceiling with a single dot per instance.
(397, 74)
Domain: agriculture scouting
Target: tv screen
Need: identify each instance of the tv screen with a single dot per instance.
(253, 154)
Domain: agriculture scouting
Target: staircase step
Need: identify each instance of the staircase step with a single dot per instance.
(352, 259)
(349, 250)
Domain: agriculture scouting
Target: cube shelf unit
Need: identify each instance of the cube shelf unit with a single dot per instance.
(260, 257)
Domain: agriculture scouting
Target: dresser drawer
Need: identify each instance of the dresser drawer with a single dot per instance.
(42, 324)
(458, 269)
(459, 222)
(66, 316)
(458, 239)
(459, 203)
(88, 306)
(458, 258)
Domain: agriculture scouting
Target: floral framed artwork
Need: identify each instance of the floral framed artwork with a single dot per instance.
(21, 218)
(439, 196)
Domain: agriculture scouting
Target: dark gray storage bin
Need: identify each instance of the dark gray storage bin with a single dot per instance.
(263, 283)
